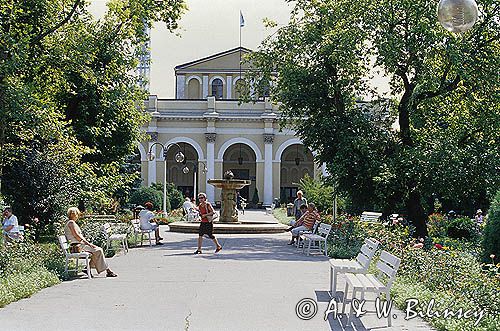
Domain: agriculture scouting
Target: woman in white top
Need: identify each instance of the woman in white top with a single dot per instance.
(75, 237)
(146, 217)
(10, 225)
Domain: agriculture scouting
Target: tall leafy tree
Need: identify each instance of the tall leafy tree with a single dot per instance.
(67, 86)
(445, 92)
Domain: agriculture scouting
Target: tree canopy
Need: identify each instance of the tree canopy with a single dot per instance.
(445, 96)
(70, 103)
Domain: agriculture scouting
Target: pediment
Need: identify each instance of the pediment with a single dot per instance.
(228, 60)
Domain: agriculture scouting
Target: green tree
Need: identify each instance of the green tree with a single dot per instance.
(147, 194)
(318, 192)
(491, 239)
(68, 90)
(445, 98)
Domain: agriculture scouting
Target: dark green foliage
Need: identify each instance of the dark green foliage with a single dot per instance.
(145, 194)
(462, 228)
(491, 234)
(255, 197)
(70, 105)
(318, 192)
(444, 91)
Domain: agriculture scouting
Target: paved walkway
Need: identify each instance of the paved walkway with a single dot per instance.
(254, 284)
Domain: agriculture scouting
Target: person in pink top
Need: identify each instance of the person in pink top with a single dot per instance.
(206, 226)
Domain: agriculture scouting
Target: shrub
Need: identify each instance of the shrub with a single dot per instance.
(145, 194)
(174, 196)
(26, 268)
(255, 197)
(462, 227)
(318, 192)
(491, 237)
(436, 225)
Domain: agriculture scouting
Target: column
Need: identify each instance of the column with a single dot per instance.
(152, 164)
(205, 86)
(268, 169)
(181, 87)
(229, 88)
(210, 138)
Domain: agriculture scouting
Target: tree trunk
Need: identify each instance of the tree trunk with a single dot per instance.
(416, 213)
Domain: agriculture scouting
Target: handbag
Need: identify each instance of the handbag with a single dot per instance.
(75, 248)
(213, 217)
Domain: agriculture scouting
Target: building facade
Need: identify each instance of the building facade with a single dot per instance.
(217, 132)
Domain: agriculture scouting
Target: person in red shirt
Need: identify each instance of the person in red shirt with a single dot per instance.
(305, 222)
(206, 226)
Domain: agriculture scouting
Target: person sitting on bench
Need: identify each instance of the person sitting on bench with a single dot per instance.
(305, 222)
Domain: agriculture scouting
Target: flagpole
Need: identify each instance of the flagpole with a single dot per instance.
(240, 42)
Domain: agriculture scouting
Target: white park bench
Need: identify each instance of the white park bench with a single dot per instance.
(63, 242)
(387, 267)
(370, 216)
(300, 237)
(358, 265)
(110, 237)
(320, 238)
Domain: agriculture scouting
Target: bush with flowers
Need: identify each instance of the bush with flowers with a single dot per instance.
(26, 268)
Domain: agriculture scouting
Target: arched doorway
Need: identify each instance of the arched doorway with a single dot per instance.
(183, 181)
(297, 161)
(241, 160)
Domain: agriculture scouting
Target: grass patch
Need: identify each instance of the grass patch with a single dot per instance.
(280, 215)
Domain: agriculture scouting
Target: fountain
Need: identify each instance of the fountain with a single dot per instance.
(229, 185)
(228, 220)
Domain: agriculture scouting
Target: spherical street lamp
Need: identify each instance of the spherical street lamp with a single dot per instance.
(186, 170)
(179, 157)
(457, 16)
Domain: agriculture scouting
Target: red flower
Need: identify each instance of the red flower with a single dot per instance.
(438, 246)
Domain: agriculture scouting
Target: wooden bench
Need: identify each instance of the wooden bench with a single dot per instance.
(370, 216)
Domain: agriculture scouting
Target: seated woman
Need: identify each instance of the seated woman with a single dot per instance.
(10, 226)
(305, 222)
(146, 217)
(75, 238)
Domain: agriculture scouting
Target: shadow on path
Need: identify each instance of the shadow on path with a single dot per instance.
(240, 248)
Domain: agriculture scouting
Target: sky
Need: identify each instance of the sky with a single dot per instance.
(209, 27)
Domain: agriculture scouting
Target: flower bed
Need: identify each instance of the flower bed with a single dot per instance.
(26, 268)
(449, 272)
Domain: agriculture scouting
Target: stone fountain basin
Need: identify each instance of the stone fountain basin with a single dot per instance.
(230, 228)
(229, 184)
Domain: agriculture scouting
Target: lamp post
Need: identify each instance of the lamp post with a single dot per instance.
(179, 157)
(195, 171)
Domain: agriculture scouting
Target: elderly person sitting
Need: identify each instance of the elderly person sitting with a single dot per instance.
(146, 217)
(78, 242)
(305, 222)
(10, 226)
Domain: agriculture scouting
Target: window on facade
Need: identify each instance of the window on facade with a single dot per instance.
(194, 89)
(217, 88)
(263, 90)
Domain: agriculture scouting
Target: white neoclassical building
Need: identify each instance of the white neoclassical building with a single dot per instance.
(214, 130)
